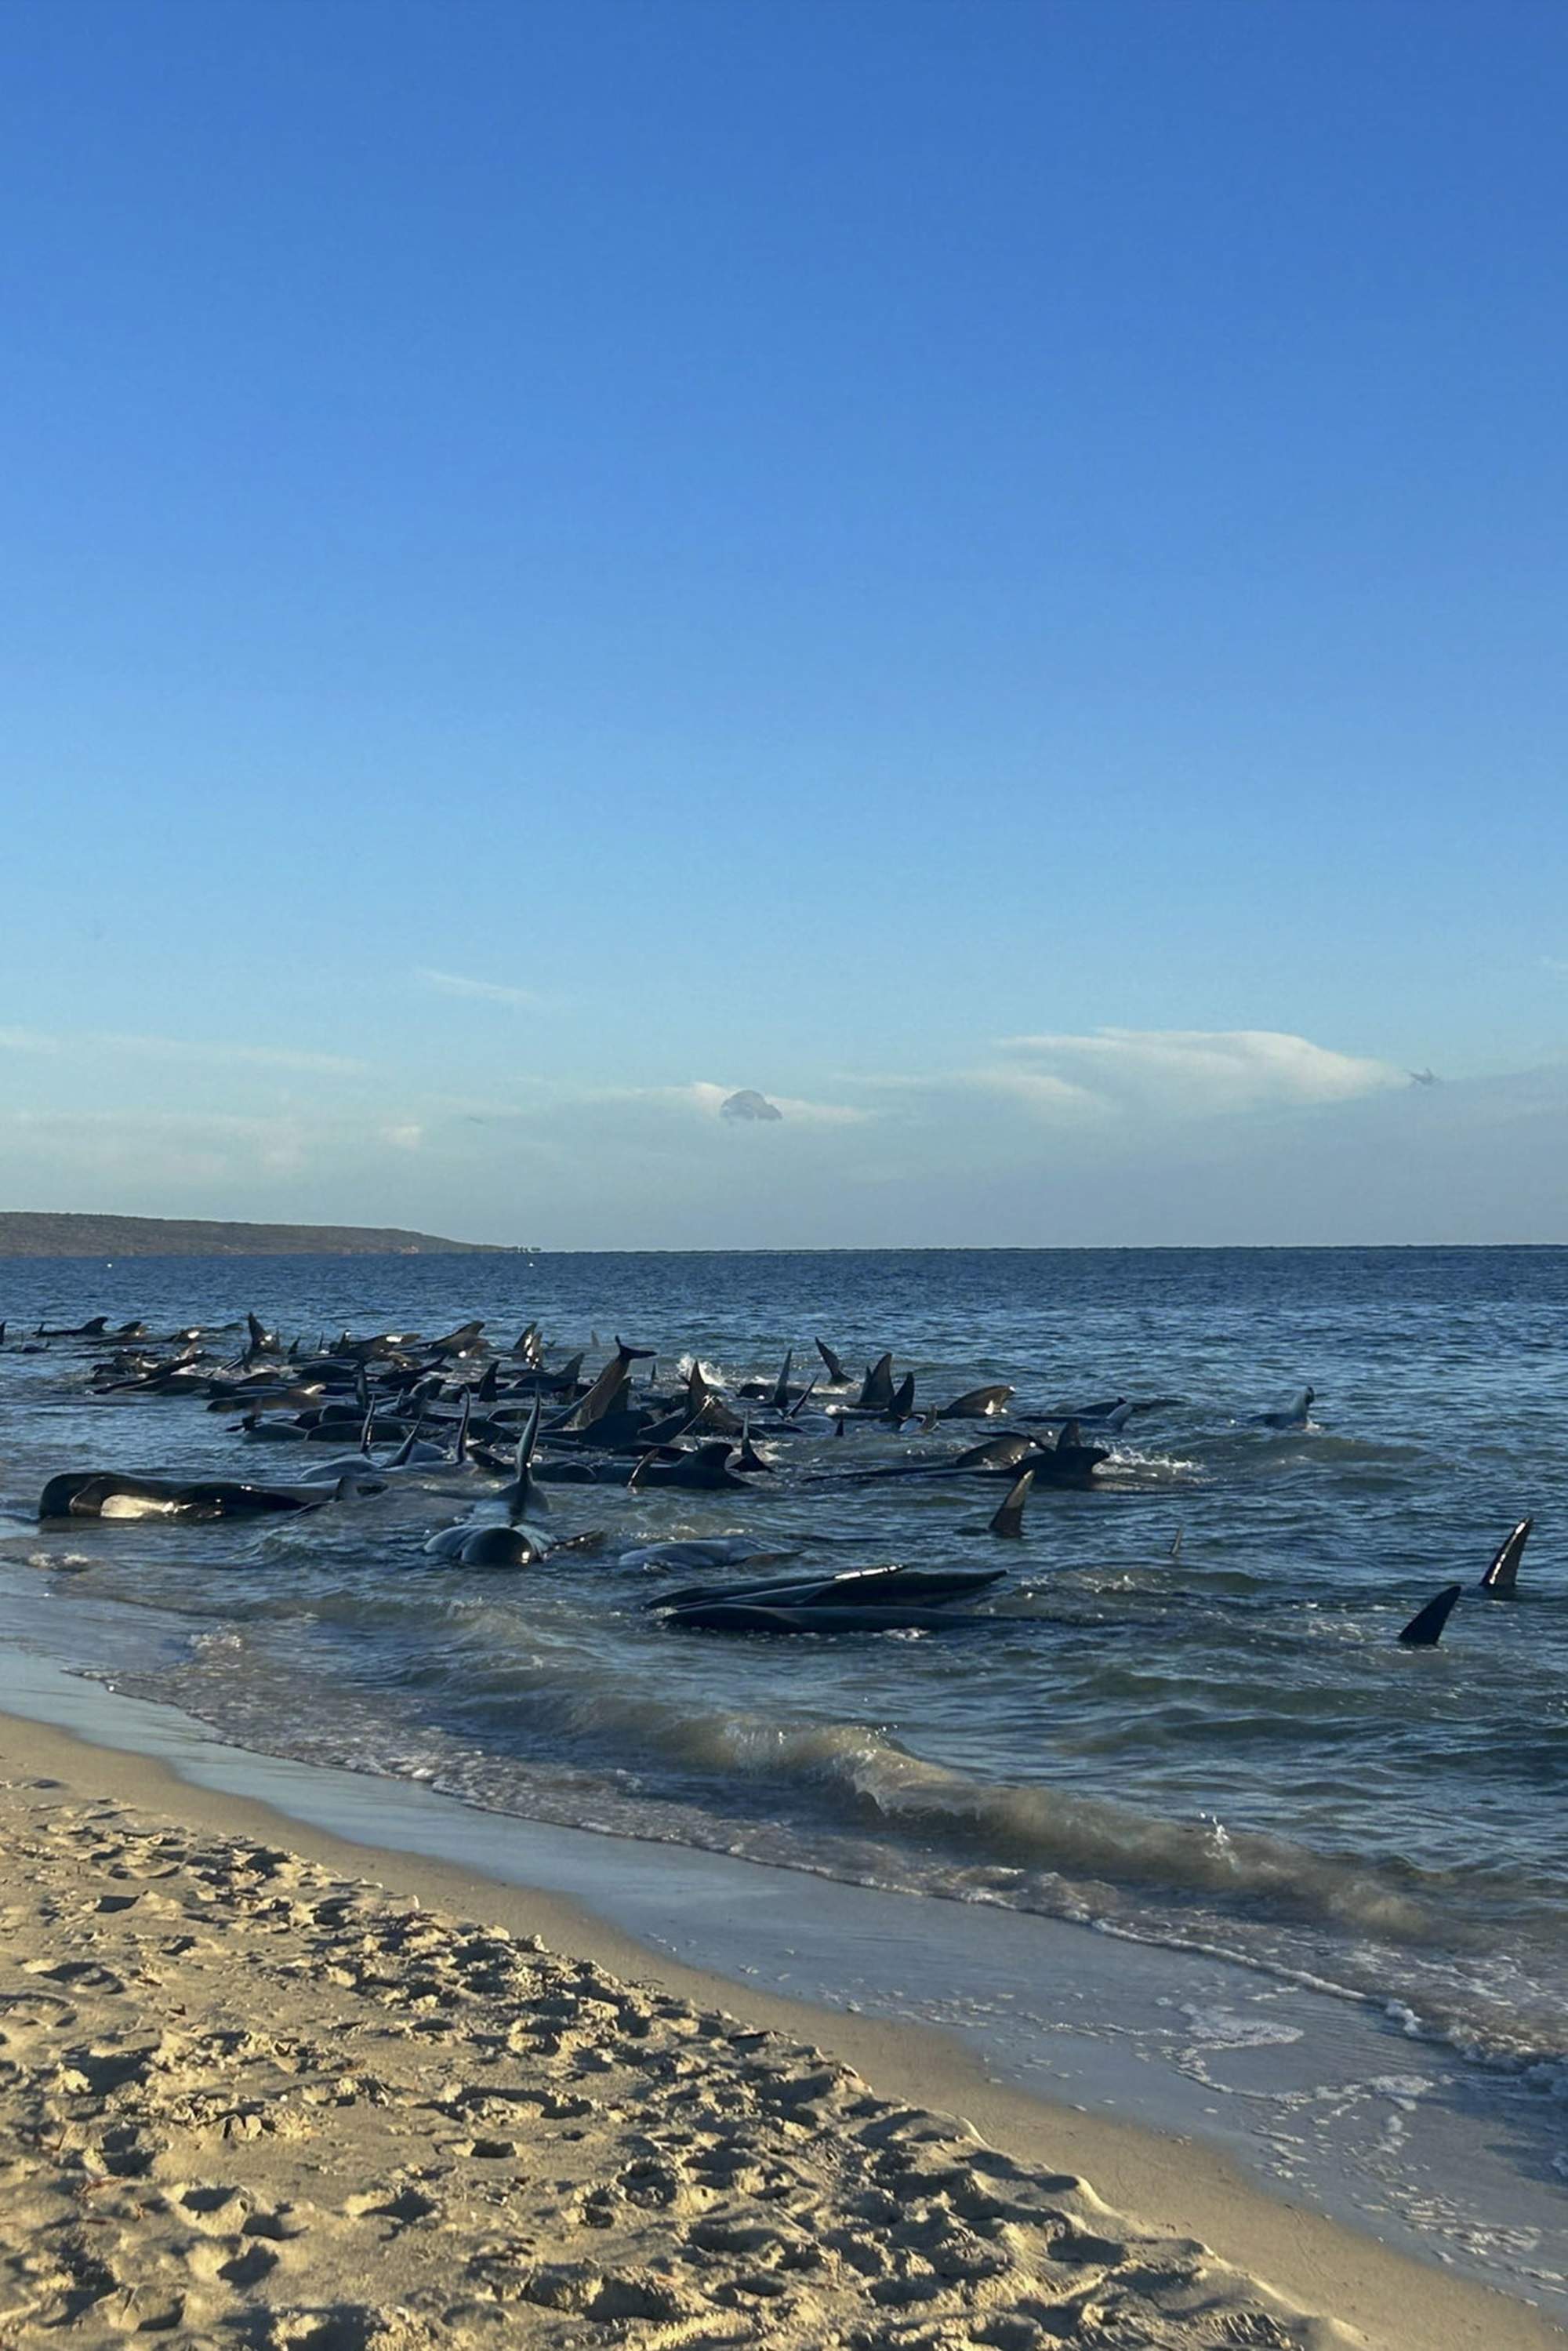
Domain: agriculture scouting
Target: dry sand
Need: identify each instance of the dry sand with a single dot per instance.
(248, 2099)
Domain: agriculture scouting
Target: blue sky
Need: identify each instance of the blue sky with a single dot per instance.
(559, 562)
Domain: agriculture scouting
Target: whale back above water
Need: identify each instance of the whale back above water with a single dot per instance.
(738, 1616)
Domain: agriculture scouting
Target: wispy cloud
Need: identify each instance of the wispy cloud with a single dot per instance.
(183, 1145)
(1112, 1074)
(1199, 1070)
(490, 991)
(179, 1049)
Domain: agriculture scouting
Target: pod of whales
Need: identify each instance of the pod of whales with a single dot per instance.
(390, 1412)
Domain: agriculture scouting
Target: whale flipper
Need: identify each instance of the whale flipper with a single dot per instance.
(1424, 1629)
(1008, 1520)
(836, 1371)
(1502, 1578)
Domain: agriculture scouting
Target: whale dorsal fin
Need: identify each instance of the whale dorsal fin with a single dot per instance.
(1502, 1578)
(1424, 1629)
(1008, 1520)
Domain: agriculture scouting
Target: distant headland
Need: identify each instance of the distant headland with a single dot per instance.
(27, 1234)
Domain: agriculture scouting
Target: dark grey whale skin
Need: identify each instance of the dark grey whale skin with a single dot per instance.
(81, 1494)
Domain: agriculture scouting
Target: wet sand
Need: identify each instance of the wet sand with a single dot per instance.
(263, 2085)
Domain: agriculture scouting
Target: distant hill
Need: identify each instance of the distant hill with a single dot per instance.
(26, 1235)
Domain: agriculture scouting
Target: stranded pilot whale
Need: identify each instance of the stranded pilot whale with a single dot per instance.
(115, 1494)
(877, 1587)
(704, 1471)
(741, 1616)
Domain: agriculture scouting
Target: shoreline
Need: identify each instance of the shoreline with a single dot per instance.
(1316, 2263)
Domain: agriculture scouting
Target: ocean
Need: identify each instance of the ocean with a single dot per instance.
(1226, 1749)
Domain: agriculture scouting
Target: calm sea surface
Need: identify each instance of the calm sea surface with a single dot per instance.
(1229, 1751)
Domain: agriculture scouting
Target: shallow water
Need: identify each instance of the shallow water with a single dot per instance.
(1229, 1751)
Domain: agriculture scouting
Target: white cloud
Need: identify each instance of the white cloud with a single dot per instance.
(1191, 1072)
(708, 1100)
(453, 983)
(180, 1048)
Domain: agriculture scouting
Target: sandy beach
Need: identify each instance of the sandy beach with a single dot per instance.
(262, 2086)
